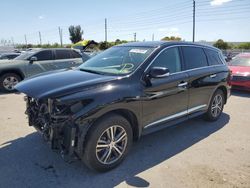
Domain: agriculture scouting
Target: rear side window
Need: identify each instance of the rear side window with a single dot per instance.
(63, 54)
(194, 57)
(213, 57)
(170, 59)
(75, 54)
(44, 55)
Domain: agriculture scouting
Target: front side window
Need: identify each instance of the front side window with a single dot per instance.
(170, 59)
(44, 55)
(194, 57)
(118, 60)
(213, 57)
(25, 55)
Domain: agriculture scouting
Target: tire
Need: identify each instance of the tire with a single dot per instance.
(8, 81)
(106, 158)
(216, 106)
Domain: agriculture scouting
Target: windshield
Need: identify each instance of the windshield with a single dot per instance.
(240, 61)
(118, 60)
(24, 55)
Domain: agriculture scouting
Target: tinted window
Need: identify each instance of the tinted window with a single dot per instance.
(213, 57)
(12, 56)
(63, 54)
(75, 54)
(170, 59)
(194, 57)
(44, 55)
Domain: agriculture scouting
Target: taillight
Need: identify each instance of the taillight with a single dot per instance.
(230, 77)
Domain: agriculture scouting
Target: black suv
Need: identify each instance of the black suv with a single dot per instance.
(98, 110)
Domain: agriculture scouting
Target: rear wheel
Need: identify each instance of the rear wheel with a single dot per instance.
(216, 106)
(8, 82)
(108, 142)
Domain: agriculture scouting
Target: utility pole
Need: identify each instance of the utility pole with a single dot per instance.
(12, 41)
(40, 37)
(135, 37)
(153, 37)
(25, 38)
(106, 34)
(60, 35)
(61, 39)
(193, 20)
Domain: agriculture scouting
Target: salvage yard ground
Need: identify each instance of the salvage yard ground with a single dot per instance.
(194, 154)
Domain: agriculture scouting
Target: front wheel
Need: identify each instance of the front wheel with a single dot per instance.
(8, 82)
(107, 143)
(216, 106)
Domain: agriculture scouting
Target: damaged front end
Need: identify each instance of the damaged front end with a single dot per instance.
(56, 124)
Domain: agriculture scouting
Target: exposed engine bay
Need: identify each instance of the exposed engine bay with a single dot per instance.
(56, 125)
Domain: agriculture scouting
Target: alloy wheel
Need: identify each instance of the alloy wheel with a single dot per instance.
(217, 105)
(111, 144)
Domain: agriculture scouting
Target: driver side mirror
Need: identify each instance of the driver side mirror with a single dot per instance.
(33, 58)
(159, 72)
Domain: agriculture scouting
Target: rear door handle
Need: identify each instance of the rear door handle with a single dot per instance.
(182, 84)
(212, 75)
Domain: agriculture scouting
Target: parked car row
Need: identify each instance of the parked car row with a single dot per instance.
(96, 111)
(34, 62)
(8, 55)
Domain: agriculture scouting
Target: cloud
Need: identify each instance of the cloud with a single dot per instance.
(219, 2)
(41, 17)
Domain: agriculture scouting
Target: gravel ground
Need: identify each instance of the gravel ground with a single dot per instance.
(194, 154)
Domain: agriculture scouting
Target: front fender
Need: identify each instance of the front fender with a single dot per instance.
(104, 99)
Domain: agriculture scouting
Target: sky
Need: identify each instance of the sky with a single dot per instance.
(150, 20)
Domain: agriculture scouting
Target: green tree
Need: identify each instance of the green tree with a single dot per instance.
(171, 38)
(221, 44)
(75, 33)
(104, 45)
(245, 45)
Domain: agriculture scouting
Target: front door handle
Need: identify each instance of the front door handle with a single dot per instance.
(212, 75)
(182, 84)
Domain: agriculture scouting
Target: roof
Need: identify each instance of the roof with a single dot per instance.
(154, 44)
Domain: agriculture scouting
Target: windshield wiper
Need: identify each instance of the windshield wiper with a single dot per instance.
(91, 71)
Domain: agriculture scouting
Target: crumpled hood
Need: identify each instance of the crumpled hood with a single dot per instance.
(59, 83)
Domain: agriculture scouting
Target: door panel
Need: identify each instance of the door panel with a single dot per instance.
(67, 63)
(64, 58)
(45, 62)
(201, 77)
(202, 85)
(40, 66)
(165, 97)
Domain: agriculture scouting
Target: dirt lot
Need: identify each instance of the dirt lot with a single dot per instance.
(193, 154)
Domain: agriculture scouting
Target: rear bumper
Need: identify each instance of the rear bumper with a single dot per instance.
(242, 85)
